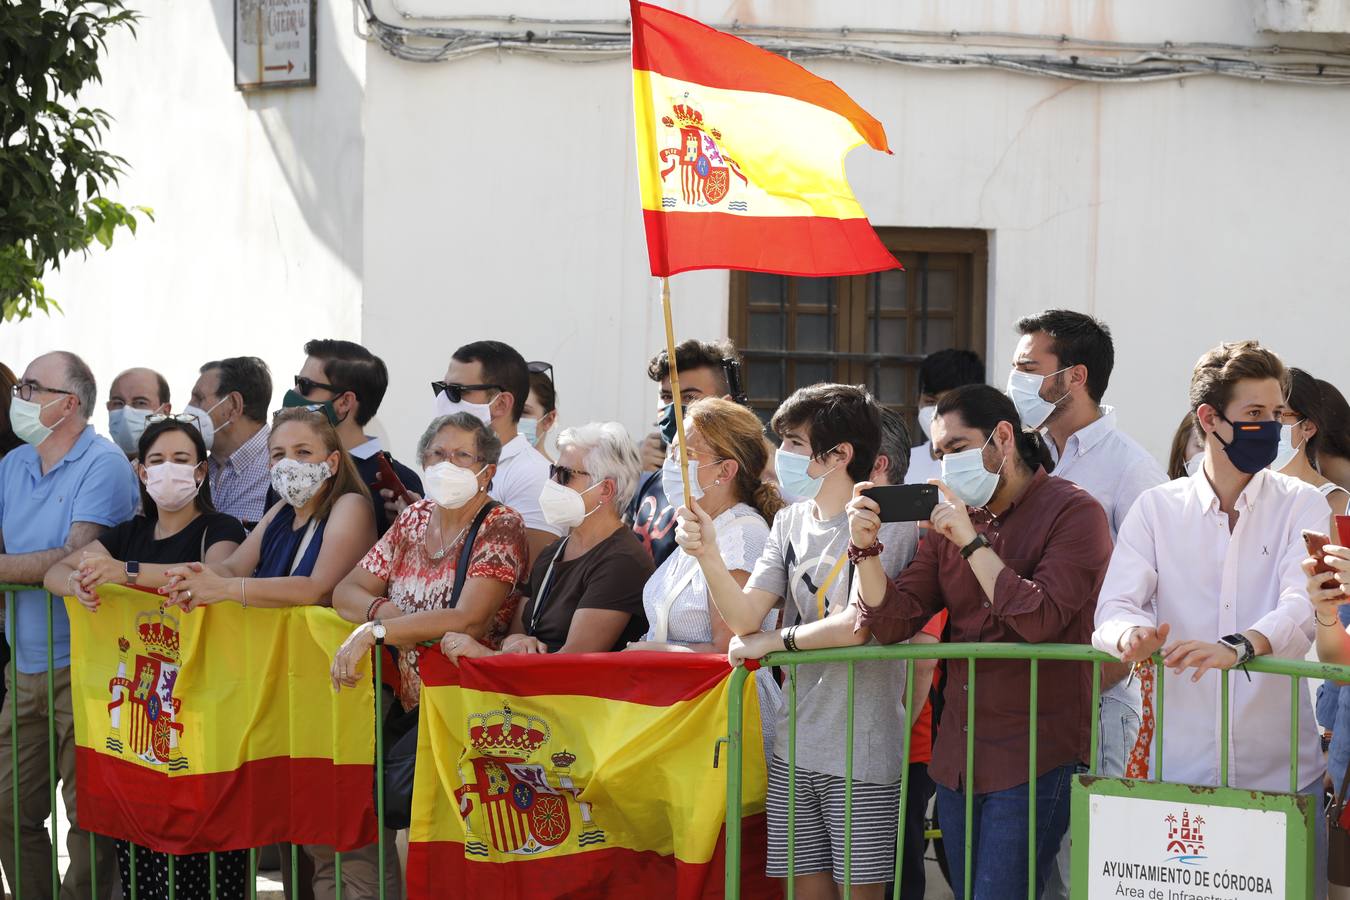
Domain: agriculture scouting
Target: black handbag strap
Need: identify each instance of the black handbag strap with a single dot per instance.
(466, 553)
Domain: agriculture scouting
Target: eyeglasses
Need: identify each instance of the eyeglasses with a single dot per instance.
(455, 392)
(25, 390)
(462, 458)
(304, 385)
(185, 418)
(563, 475)
(539, 367)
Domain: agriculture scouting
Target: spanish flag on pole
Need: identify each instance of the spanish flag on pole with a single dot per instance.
(585, 775)
(217, 729)
(741, 156)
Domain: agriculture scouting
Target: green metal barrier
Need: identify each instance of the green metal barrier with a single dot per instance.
(1296, 670)
(251, 871)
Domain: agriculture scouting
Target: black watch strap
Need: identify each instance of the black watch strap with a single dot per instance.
(968, 549)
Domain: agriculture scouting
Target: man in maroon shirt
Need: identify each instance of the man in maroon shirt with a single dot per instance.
(1014, 556)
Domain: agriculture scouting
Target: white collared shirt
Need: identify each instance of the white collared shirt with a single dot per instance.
(366, 450)
(521, 473)
(1108, 464)
(1175, 550)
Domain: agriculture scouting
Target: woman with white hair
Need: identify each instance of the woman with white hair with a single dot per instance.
(586, 589)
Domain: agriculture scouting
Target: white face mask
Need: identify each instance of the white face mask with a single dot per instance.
(673, 485)
(445, 407)
(926, 416)
(449, 485)
(204, 423)
(1194, 463)
(297, 482)
(1025, 390)
(171, 485)
(1288, 450)
(126, 425)
(562, 506)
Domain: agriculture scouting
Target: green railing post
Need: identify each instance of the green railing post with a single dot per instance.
(170, 858)
(211, 873)
(1095, 728)
(131, 853)
(337, 875)
(1223, 728)
(904, 777)
(848, 788)
(1159, 677)
(93, 869)
(11, 603)
(1031, 778)
(735, 765)
(379, 761)
(970, 779)
(252, 876)
(1293, 735)
(51, 747)
(792, 781)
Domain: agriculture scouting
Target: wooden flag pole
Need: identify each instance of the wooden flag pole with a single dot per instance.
(675, 392)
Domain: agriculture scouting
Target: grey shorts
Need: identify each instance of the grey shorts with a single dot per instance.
(819, 826)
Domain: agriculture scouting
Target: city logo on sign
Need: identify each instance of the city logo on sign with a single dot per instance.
(1185, 838)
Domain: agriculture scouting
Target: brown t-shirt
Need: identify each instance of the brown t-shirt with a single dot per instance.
(608, 576)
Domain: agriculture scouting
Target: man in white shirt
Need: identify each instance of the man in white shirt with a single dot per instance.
(939, 373)
(1206, 569)
(490, 380)
(1060, 372)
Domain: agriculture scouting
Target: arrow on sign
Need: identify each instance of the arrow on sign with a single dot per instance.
(288, 68)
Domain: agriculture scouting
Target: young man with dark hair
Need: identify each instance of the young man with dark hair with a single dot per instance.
(940, 372)
(703, 367)
(490, 380)
(1060, 372)
(831, 434)
(230, 401)
(349, 382)
(1013, 555)
(1207, 570)
(135, 394)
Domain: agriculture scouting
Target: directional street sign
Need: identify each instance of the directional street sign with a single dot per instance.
(273, 43)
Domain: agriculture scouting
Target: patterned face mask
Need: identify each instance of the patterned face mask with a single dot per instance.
(297, 482)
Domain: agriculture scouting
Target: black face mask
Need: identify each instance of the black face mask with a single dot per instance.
(1254, 446)
(666, 422)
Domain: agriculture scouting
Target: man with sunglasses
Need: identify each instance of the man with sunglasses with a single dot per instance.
(57, 493)
(347, 382)
(490, 380)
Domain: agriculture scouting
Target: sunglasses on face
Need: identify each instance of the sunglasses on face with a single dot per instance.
(563, 475)
(455, 392)
(304, 385)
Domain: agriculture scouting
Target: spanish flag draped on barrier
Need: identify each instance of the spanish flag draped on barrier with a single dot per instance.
(577, 776)
(741, 156)
(217, 729)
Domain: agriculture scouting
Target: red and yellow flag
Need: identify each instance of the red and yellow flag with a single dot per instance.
(579, 776)
(741, 156)
(217, 729)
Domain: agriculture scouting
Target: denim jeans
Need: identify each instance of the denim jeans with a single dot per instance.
(999, 837)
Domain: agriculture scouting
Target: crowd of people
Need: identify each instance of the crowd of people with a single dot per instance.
(1052, 526)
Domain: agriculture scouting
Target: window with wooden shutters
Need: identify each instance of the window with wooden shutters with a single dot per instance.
(863, 329)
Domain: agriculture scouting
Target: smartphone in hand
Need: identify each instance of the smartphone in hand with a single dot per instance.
(904, 502)
(387, 479)
(1315, 541)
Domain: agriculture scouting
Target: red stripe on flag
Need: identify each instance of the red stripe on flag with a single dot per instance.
(604, 872)
(788, 245)
(634, 676)
(264, 801)
(679, 47)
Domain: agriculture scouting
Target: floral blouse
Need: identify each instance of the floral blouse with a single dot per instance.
(415, 581)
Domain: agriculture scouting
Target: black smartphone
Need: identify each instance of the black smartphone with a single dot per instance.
(904, 502)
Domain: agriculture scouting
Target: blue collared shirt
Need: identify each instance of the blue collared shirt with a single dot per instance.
(91, 483)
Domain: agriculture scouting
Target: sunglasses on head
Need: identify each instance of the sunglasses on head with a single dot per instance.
(539, 367)
(304, 385)
(185, 418)
(455, 392)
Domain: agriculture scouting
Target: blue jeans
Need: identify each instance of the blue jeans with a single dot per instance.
(999, 840)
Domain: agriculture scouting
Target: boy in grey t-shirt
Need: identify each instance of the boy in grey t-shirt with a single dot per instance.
(830, 435)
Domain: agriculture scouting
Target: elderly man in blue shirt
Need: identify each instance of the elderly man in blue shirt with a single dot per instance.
(57, 492)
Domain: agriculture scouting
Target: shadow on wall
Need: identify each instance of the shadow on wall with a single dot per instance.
(315, 134)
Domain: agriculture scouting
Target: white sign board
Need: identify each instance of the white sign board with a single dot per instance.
(273, 43)
(1159, 850)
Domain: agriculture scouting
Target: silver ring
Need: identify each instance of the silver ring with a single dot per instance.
(187, 594)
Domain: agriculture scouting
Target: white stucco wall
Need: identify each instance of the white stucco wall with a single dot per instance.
(501, 202)
(256, 243)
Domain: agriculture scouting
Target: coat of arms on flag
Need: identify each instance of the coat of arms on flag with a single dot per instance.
(522, 807)
(143, 707)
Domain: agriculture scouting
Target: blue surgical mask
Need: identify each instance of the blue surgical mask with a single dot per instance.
(1024, 388)
(126, 425)
(673, 485)
(1288, 450)
(528, 429)
(792, 477)
(967, 477)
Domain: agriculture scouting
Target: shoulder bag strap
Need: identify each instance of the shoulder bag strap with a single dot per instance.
(661, 625)
(466, 553)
